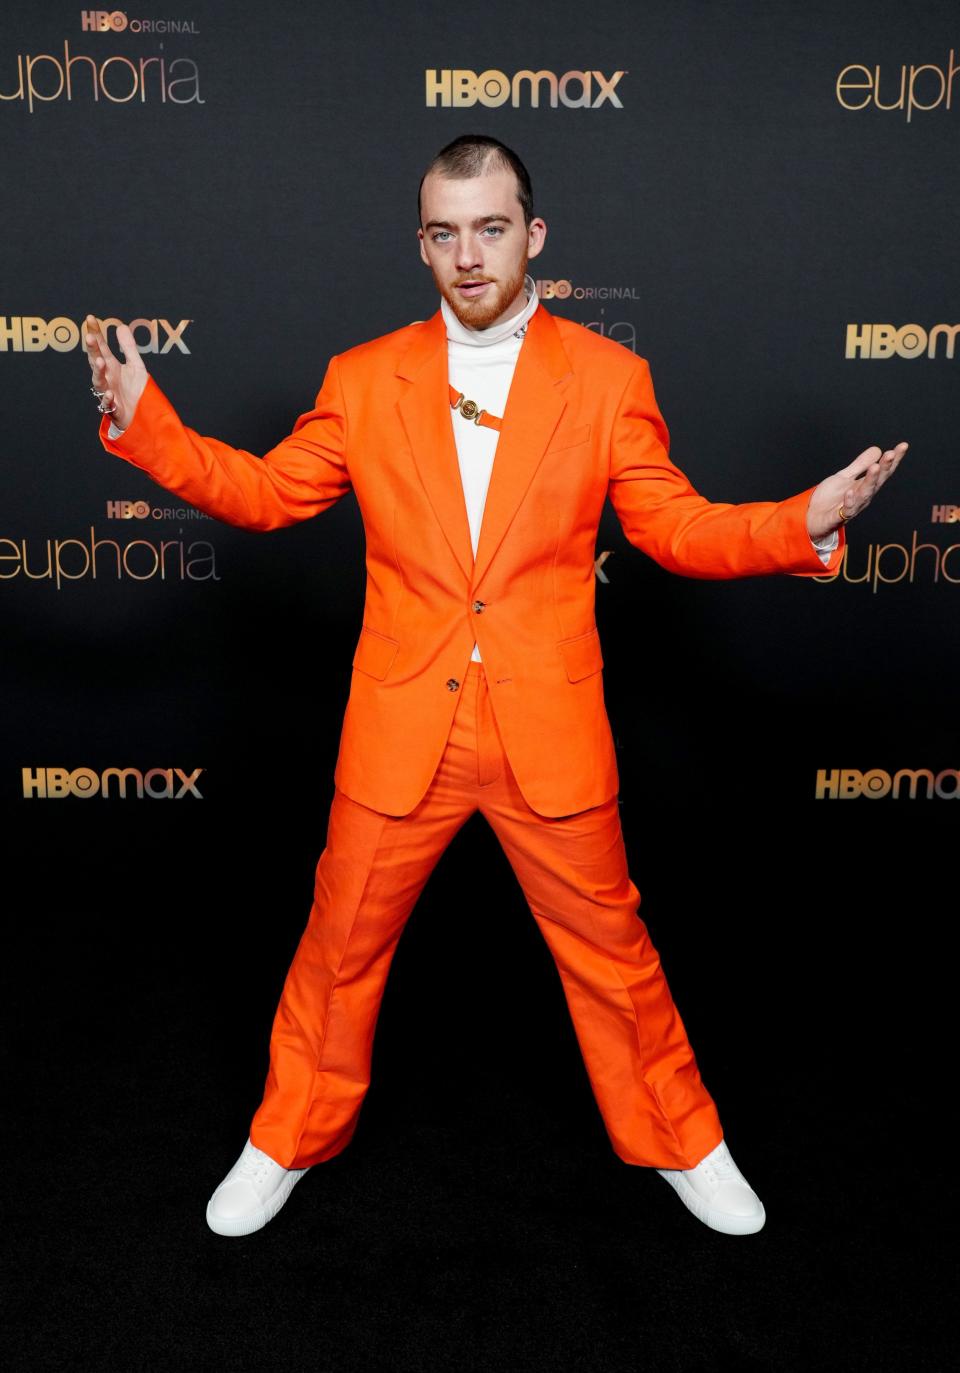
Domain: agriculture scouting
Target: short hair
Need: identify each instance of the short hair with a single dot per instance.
(471, 155)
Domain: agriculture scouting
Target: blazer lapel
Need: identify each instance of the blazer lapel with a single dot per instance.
(534, 407)
(426, 415)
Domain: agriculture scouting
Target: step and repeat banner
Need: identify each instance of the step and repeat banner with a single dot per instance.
(759, 199)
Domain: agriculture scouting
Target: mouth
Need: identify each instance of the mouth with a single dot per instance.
(470, 290)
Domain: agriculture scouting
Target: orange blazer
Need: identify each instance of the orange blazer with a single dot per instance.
(581, 423)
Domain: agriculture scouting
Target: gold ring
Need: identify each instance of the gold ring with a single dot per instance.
(843, 518)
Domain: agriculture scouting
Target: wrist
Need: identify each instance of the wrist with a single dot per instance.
(822, 520)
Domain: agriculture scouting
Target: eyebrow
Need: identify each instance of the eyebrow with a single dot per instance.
(477, 223)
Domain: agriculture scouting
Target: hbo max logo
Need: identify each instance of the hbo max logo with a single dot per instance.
(577, 90)
(30, 334)
(157, 783)
(909, 341)
(847, 784)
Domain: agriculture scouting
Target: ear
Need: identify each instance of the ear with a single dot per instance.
(536, 236)
(423, 252)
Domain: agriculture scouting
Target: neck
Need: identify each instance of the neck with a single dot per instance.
(514, 308)
(458, 332)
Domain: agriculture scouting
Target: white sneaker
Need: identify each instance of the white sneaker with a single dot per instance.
(251, 1194)
(718, 1194)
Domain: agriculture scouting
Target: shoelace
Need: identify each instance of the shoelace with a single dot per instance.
(721, 1167)
(254, 1164)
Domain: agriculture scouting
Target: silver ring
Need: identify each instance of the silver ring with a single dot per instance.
(95, 392)
(103, 409)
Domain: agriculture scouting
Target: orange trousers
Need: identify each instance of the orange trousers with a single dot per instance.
(573, 873)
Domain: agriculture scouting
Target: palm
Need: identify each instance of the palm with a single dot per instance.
(852, 489)
(121, 384)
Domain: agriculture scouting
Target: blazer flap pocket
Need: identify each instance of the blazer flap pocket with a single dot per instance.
(581, 655)
(375, 652)
(569, 438)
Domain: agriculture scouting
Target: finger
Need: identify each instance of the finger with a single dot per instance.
(890, 462)
(128, 343)
(101, 374)
(862, 462)
(870, 456)
(88, 340)
(102, 346)
(107, 368)
(90, 328)
(96, 372)
(92, 335)
(870, 469)
(108, 402)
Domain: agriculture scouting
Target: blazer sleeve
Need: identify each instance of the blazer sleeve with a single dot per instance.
(304, 474)
(662, 514)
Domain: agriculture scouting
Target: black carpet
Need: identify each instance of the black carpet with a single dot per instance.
(479, 1220)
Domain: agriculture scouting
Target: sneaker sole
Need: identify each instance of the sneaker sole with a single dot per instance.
(234, 1226)
(723, 1221)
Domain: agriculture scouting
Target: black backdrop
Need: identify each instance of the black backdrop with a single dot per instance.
(730, 216)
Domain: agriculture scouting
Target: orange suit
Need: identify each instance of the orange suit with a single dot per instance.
(429, 736)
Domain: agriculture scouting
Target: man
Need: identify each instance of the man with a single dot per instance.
(477, 675)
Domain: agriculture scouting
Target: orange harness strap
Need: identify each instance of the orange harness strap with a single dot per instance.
(470, 410)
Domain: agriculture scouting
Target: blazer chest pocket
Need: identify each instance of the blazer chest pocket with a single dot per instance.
(374, 653)
(569, 438)
(581, 655)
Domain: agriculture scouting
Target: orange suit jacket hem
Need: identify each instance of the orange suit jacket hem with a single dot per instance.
(581, 423)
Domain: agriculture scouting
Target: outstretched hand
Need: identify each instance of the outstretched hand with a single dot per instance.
(851, 489)
(119, 384)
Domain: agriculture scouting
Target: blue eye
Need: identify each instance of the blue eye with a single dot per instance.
(440, 234)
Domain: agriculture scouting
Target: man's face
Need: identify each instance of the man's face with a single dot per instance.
(476, 244)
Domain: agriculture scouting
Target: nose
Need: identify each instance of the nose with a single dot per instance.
(469, 255)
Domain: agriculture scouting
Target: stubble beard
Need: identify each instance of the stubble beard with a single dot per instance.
(480, 314)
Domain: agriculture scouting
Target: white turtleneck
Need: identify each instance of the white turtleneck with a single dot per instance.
(480, 363)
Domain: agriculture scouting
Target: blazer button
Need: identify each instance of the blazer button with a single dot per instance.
(452, 683)
(478, 606)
